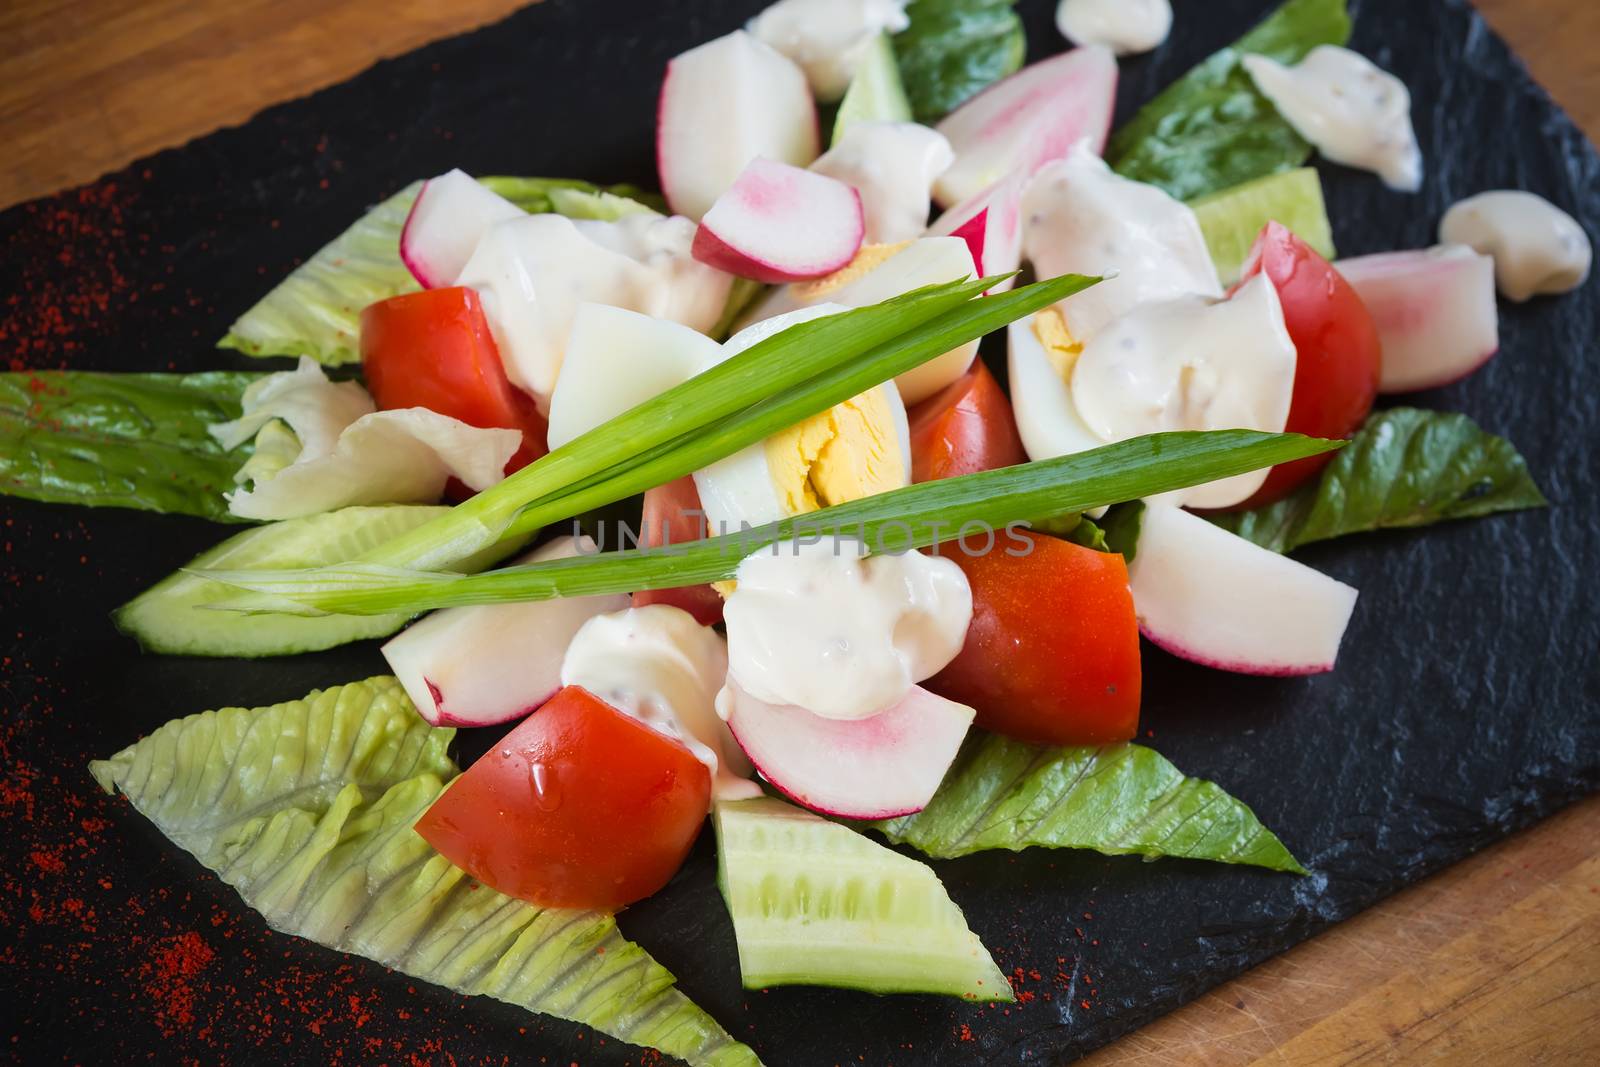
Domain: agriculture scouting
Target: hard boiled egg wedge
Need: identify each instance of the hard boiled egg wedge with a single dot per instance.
(617, 359)
(1040, 357)
(855, 449)
(877, 273)
(1186, 364)
(1192, 364)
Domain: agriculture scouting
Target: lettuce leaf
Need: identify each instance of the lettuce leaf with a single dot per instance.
(171, 617)
(1212, 129)
(316, 311)
(1405, 467)
(1119, 800)
(306, 809)
(120, 440)
(954, 49)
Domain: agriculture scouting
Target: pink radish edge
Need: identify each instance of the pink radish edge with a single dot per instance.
(1177, 649)
(809, 805)
(757, 193)
(418, 271)
(445, 718)
(661, 151)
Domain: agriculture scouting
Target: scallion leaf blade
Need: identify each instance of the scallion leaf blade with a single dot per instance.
(914, 517)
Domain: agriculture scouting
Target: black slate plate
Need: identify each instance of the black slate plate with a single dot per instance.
(1465, 706)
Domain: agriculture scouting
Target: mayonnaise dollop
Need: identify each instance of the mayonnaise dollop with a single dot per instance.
(663, 668)
(1353, 112)
(827, 38)
(1127, 27)
(893, 166)
(816, 625)
(1191, 364)
(1537, 247)
(1080, 218)
(686, 291)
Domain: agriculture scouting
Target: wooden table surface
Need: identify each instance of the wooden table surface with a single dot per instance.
(1499, 955)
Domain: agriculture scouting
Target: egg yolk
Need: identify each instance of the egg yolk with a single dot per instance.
(845, 453)
(868, 259)
(1060, 347)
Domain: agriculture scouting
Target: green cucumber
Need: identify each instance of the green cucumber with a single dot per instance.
(1231, 219)
(876, 93)
(171, 617)
(816, 903)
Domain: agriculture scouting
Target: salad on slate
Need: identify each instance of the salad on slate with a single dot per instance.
(873, 596)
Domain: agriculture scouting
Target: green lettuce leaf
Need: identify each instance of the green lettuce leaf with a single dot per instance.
(316, 311)
(306, 808)
(1405, 467)
(1122, 523)
(954, 49)
(599, 205)
(1119, 800)
(119, 440)
(172, 617)
(1212, 128)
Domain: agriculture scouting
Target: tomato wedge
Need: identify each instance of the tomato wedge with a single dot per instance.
(434, 350)
(964, 428)
(1336, 345)
(673, 516)
(580, 806)
(1052, 654)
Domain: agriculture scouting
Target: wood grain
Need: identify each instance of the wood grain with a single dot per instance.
(87, 86)
(1498, 956)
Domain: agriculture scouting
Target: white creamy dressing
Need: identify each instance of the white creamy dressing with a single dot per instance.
(827, 38)
(687, 291)
(1537, 247)
(1353, 112)
(1127, 27)
(1191, 364)
(893, 166)
(816, 625)
(533, 272)
(1081, 218)
(663, 668)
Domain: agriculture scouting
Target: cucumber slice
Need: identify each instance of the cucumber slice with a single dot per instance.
(815, 903)
(1232, 218)
(876, 93)
(171, 617)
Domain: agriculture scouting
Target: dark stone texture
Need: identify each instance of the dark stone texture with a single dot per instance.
(1466, 705)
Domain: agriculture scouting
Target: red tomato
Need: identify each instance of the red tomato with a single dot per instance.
(1052, 654)
(434, 350)
(1336, 345)
(672, 516)
(580, 806)
(964, 428)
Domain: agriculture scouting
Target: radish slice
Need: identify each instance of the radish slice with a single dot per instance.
(450, 215)
(722, 105)
(1213, 598)
(781, 224)
(480, 666)
(1035, 116)
(1434, 310)
(874, 768)
(991, 224)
